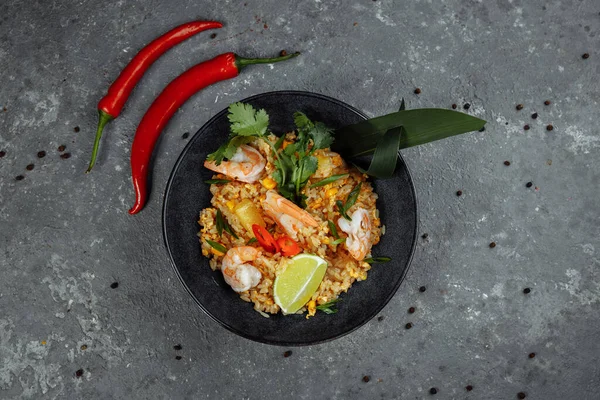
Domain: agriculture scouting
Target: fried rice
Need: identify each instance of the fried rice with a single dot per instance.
(342, 269)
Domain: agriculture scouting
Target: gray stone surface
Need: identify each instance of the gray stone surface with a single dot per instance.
(66, 236)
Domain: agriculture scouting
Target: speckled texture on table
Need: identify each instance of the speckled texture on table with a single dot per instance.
(66, 236)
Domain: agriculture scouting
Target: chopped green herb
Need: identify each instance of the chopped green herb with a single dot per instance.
(330, 307)
(217, 246)
(328, 180)
(333, 230)
(342, 209)
(217, 181)
(219, 222)
(222, 224)
(339, 241)
(252, 240)
(376, 260)
(350, 201)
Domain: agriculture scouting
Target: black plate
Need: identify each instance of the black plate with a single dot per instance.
(187, 194)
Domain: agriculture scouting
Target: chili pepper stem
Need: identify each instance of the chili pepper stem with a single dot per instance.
(103, 119)
(241, 62)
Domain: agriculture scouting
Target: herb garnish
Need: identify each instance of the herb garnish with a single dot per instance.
(222, 224)
(330, 307)
(216, 181)
(328, 180)
(295, 164)
(333, 230)
(377, 260)
(350, 200)
(217, 246)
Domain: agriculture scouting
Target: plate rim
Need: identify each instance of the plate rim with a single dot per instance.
(224, 324)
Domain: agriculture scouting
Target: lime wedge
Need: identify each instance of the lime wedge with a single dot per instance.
(301, 278)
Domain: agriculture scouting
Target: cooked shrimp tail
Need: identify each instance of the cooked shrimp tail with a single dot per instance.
(246, 165)
(358, 242)
(286, 214)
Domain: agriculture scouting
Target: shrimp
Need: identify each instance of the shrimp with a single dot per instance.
(286, 214)
(246, 165)
(358, 242)
(237, 273)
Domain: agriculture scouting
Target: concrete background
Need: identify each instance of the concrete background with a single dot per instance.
(66, 236)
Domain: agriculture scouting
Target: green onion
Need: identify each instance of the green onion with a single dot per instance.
(338, 241)
(329, 307)
(222, 224)
(253, 240)
(217, 246)
(333, 230)
(376, 260)
(352, 197)
(216, 181)
(328, 180)
(342, 210)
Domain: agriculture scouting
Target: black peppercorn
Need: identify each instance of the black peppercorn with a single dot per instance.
(534, 115)
(527, 290)
(79, 373)
(467, 106)
(433, 391)
(408, 325)
(417, 91)
(76, 129)
(492, 245)
(507, 163)
(531, 355)
(178, 357)
(469, 388)
(283, 53)
(114, 285)
(454, 106)
(62, 147)
(19, 177)
(366, 378)
(411, 310)
(83, 347)
(459, 193)
(214, 35)
(287, 353)
(482, 129)
(29, 167)
(549, 127)
(380, 318)
(585, 56)
(521, 395)
(2, 153)
(185, 135)
(422, 289)
(529, 184)
(526, 127)
(547, 102)
(519, 107)
(425, 235)
(41, 154)
(177, 347)
(65, 156)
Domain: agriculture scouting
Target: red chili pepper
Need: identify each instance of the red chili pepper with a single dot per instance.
(224, 66)
(111, 105)
(288, 247)
(265, 239)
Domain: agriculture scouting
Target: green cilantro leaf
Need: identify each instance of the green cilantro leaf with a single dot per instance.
(246, 121)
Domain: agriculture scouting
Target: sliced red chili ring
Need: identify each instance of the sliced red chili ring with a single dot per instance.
(288, 247)
(265, 239)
